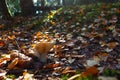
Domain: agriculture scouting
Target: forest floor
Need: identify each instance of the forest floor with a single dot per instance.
(87, 45)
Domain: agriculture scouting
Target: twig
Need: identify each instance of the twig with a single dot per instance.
(75, 76)
(18, 45)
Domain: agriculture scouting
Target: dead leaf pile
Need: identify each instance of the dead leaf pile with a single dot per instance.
(87, 42)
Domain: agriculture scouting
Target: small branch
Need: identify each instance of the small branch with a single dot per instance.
(75, 76)
(18, 45)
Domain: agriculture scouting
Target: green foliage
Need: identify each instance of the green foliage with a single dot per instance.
(78, 71)
(110, 72)
(65, 77)
(11, 76)
(13, 6)
(86, 78)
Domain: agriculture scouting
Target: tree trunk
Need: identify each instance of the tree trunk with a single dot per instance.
(4, 10)
(63, 2)
(43, 3)
(43, 6)
(68, 2)
(58, 1)
(27, 7)
(108, 1)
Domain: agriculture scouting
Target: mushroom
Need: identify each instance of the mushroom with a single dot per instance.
(42, 49)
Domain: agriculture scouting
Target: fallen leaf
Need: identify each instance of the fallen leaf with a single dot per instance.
(11, 37)
(117, 11)
(13, 64)
(52, 66)
(2, 43)
(112, 45)
(102, 43)
(4, 59)
(68, 70)
(27, 76)
(90, 71)
(103, 56)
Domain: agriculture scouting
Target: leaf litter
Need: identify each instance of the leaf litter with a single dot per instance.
(84, 39)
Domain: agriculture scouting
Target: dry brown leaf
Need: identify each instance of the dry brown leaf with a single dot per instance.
(92, 35)
(23, 64)
(58, 48)
(39, 35)
(104, 55)
(83, 45)
(2, 43)
(112, 45)
(117, 10)
(59, 55)
(11, 37)
(13, 63)
(82, 11)
(102, 43)
(27, 76)
(4, 59)
(112, 27)
(68, 70)
(2, 26)
(100, 35)
(52, 66)
(90, 71)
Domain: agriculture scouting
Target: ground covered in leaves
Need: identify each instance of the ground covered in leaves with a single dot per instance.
(86, 45)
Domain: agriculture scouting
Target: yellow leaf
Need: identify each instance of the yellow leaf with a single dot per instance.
(4, 59)
(12, 37)
(27, 76)
(39, 34)
(53, 23)
(33, 45)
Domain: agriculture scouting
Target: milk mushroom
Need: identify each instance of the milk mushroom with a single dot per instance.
(42, 49)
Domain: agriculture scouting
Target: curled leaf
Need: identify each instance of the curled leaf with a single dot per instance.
(13, 63)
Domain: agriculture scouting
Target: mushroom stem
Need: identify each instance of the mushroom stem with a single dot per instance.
(43, 57)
